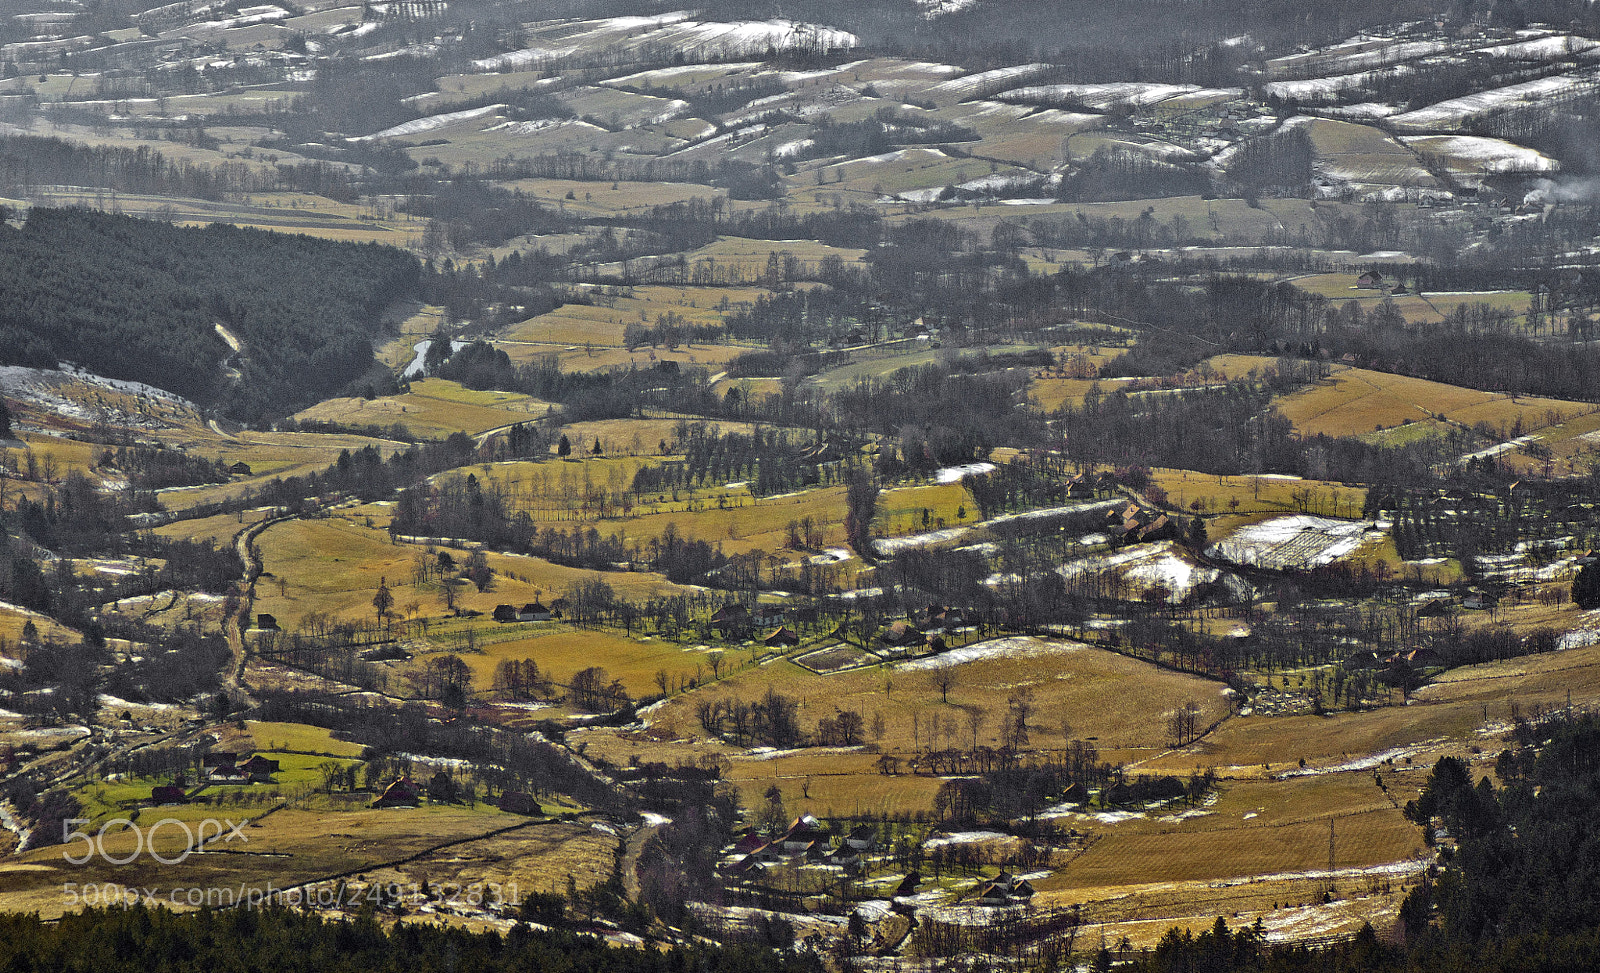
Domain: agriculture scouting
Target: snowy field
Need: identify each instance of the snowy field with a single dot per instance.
(1163, 565)
(1298, 541)
(1015, 647)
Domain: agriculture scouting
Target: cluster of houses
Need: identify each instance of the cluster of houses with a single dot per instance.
(734, 621)
(225, 768)
(1087, 486)
(220, 768)
(805, 841)
(1004, 889)
(1372, 280)
(1138, 524)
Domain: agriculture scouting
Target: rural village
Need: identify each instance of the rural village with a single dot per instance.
(859, 484)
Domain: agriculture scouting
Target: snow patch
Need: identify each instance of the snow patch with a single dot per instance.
(1013, 647)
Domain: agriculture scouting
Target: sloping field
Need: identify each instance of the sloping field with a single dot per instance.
(1352, 401)
(433, 407)
(1363, 154)
(1295, 543)
(1092, 688)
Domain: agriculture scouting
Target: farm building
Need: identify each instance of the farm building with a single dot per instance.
(401, 792)
(749, 844)
(902, 633)
(908, 885)
(781, 638)
(534, 612)
(228, 774)
(1005, 889)
(505, 613)
(240, 469)
(804, 832)
(731, 620)
(1370, 280)
(519, 802)
(168, 794)
(1435, 608)
(266, 622)
(260, 769)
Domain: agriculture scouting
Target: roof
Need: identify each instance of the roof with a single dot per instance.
(782, 636)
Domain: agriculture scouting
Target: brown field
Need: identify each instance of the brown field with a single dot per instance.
(1353, 401)
(600, 198)
(561, 651)
(1373, 837)
(333, 567)
(293, 846)
(433, 407)
(13, 620)
(1259, 498)
(1452, 709)
(1088, 687)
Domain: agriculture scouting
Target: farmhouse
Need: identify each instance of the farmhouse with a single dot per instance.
(534, 612)
(168, 794)
(1424, 658)
(228, 774)
(902, 633)
(804, 832)
(1370, 280)
(731, 620)
(862, 837)
(519, 802)
(749, 844)
(908, 885)
(782, 638)
(240, 469)
(260, 769)
(266, 622)
(1435, 608)
(1081, 487)
(1005, 889)
(1364, 660)
(402, 792)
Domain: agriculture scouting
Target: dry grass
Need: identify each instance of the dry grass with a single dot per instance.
(1258, 498)
(1368, 838)
(285, 848)
(1090, 688)
(600, 198)
(1354, 401)
(562, 651)
(333, 567)
(433, 407)
(1365, 154)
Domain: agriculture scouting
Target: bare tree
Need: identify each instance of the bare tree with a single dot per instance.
(944, 679)
(976, 718)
